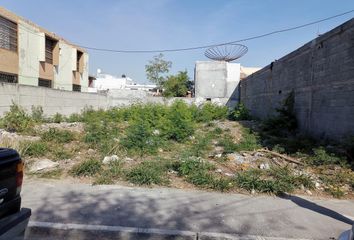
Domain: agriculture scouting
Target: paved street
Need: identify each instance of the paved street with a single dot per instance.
(197, 211)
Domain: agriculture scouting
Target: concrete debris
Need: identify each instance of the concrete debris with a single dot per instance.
(42, 165)
(12, 136)
(109, 159)
(218, 149)
(229, 174)
(127, 159)
(264, 166)
(218, 170)
(216, 101)
(91, 151)
(219, 155)
(235, 157)
(172, 172)
(73, 127)
(308, 192)
(199, 101)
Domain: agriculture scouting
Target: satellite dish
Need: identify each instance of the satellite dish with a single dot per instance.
(227, 52)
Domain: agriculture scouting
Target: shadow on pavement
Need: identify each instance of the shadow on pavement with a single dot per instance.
(317, 208)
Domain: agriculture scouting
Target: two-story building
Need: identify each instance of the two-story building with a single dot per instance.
(31, 55)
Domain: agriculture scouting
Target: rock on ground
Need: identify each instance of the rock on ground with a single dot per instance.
(42, 165)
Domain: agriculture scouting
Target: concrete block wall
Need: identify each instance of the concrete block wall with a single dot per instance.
(321, 74)
(67, 102)
(52, 100)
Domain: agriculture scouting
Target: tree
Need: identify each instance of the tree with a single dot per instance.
(156, 69)
(176, 85)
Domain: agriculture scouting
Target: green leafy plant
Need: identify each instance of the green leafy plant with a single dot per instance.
(240, 113)
(322, 157)
(156, 69)
(179, 123)
(86, 168)
(37, 114)
(210, 111)
(176, 85)
(276, 180)
(35, 149)
(147, 173)
(59, 136)
(140, 138)
(17, 120)
(58, 118)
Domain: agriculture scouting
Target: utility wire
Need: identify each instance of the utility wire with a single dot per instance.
(218, 44)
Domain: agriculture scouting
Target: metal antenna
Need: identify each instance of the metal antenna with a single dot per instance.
(227, 52)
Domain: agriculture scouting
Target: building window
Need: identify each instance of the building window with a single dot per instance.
(44, 83)
(49, 48)
(8, 78)
(8, 34)
(78, 57)
(76, 88)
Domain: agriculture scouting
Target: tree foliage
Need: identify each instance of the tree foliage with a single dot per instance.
(176, 85)
(156, 70)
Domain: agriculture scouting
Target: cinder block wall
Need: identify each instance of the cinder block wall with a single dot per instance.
(68, 102)
(321, 74)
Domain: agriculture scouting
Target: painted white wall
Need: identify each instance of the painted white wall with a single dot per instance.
(63, 76)
(30, 43)
(233, 77)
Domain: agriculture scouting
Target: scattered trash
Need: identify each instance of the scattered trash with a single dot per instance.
(109, 159)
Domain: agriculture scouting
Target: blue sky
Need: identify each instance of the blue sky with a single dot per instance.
(159, 24)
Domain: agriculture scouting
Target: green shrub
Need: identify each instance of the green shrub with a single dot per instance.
(249, 141)
(228, 144)
(276, 180)
(209, 112)
(240, 113)
(58, 118)
(87, 168)
(147, 173)
(285, 121)
(321, 157)
(101, 135)
(74, 118)
(35, 149)
(140, 138)
(188, 166)
(56, 135)
(179, 124)
(17, 120)
(176, 85)
(37, 114)
(110, 174)
(200, 145)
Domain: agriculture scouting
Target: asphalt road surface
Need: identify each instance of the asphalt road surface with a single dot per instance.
(186, 210)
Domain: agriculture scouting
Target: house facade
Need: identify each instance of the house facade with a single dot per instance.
(31, 55)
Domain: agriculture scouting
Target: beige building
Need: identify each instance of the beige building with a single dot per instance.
(31, 55)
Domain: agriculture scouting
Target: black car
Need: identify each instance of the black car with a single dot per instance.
(13, 219)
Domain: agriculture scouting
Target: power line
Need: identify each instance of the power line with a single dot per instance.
(218, 44)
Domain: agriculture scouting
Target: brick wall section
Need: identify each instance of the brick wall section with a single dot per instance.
(321, 74)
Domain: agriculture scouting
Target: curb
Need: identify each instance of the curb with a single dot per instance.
(54, 231)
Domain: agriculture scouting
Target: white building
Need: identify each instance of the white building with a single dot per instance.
(104, 82)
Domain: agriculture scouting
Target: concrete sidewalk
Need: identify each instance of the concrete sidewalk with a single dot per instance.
(182, 210)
